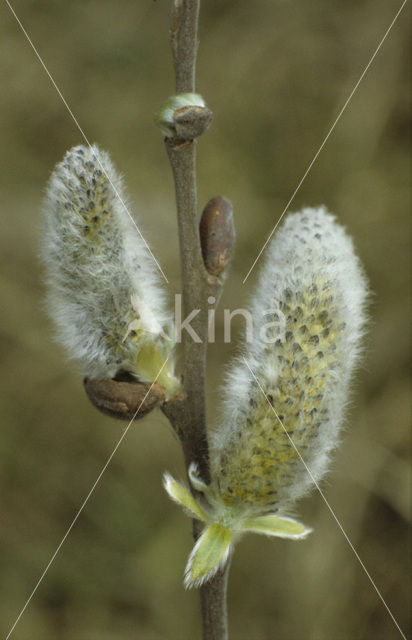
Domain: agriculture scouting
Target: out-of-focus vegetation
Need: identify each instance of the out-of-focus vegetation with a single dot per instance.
(276, 73)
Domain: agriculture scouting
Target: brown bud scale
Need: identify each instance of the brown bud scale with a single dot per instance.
(191, 121)
(121, 400)
(217, 234)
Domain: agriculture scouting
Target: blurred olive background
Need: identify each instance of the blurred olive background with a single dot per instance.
(276, 74)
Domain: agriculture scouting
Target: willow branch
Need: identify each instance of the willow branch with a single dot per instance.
(188, 415)
(214, 606)
(183, 39)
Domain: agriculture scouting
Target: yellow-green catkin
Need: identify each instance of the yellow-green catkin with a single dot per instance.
(308, 315)
(285, 394)
(103, 285)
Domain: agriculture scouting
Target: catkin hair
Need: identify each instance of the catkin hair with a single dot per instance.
(312, 292)
(103, 289)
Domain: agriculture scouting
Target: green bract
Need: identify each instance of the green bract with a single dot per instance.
(222, 529)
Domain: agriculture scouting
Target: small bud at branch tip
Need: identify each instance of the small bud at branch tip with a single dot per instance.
(184, 116)
(192, 122)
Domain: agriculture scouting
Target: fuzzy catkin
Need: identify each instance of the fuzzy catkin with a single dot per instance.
(313, 285)
(103, 289)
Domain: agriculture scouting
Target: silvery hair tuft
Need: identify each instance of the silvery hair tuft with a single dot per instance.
(103, 287)
(314, 286)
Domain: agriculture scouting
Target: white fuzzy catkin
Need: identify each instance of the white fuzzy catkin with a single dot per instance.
(313, 284)
(103, 287)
